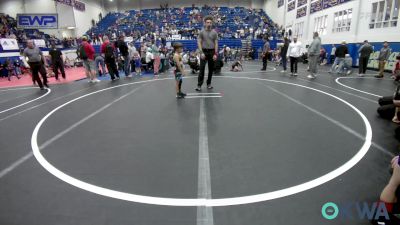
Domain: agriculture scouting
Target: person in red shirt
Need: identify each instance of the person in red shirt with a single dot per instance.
(396, 69)
(88, 60)
(108, 52)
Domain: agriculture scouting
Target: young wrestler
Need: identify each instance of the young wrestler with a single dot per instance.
(179, 71)
(138, 63)
(236, 66)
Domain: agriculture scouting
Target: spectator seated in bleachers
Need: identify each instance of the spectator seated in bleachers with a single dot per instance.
(186, 22)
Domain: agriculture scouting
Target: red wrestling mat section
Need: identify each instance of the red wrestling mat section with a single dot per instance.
(72, 74)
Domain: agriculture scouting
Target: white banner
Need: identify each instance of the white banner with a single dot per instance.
(176, 37)
(39, 43)
(9, 44)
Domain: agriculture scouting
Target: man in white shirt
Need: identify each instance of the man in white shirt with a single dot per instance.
(294, 52)
(149, 58)
(332, 56)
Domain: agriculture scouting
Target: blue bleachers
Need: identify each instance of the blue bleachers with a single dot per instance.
(181, 21)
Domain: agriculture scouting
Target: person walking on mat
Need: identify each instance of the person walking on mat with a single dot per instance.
(294, 52)
(313, 54)
(208, 47)
(36, 62)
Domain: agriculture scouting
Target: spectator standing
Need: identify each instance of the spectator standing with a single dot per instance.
(384, 55)
(313, 55)
(123, 50)
(57, 61)
(294, 52)
(365, 51)
(265, 54)
(284, 52)
(208, 47)
(332, 56)
(87, 55)
(108, 52)
(36, 62)
(156, 54)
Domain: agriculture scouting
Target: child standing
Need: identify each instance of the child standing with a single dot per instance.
(179, 71)
(9, 67)
(138, 63)
(17, 67)
(396, 69)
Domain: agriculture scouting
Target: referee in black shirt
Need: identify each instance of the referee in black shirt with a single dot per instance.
(57, 61)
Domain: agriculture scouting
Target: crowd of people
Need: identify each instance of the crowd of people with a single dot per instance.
(121, 57)
(166, 22)
(315, 55)
(162, 24)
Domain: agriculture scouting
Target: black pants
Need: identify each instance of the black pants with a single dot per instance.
(331, 59)
(37, 67)
(387, 108)
(58, 65)
(209, 53)
(265, 61)
(112, 67)
(362, 67)
(293, 64)
(284, 62)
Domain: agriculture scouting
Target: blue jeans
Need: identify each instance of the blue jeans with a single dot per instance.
(127, 65)
(100, 60)
(18, 70)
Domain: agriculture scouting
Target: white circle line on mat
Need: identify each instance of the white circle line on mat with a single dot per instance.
(355, 89)
(14, 107)
(204, 202)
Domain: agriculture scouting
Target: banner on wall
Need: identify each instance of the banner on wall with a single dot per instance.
(65, 2)
(73, 3)
(37, 21)
(331, 3)
(80, 6)
(39, 43)
(9, 44)
(316, 6)
(325, 4)
(301, 2)
(291, 6)
(301, 12)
